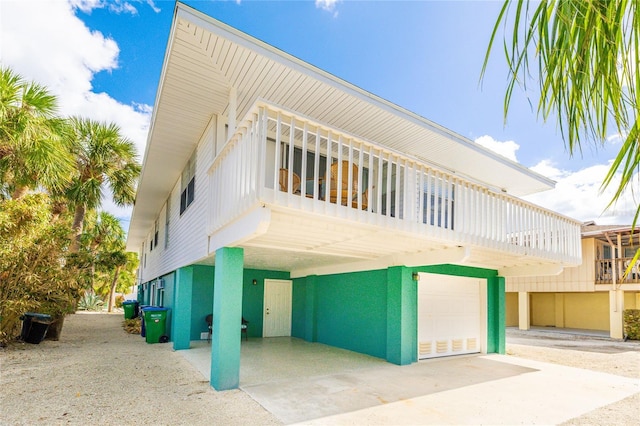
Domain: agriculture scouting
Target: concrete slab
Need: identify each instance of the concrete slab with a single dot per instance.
(310, 383)
(547, 394)
(302, 399)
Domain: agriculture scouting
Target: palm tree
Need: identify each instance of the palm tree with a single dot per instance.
(103, 157)
(34, 143)
(104, 239)
(585, 55)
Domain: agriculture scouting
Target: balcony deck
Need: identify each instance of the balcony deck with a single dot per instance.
(307, 198)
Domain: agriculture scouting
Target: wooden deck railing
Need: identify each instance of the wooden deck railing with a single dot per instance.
(609, 270)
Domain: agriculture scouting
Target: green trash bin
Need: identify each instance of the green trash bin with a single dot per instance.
(130, 309)
(155, 319)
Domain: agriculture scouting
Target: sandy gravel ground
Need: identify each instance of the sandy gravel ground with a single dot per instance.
(106, 378)
(97, 374)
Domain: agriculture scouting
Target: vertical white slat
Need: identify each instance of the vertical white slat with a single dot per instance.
(303, 169)
(259, 155)
(397, 189)
(316, 166)
(327, 173)
(350, 176)
(496, 219)
(292, 132)
(421, 192)
(450, 195)
(340, 144)
(360, 188)
(388, 193)
(445, 197)
(261, 137)
(379, 190)
(537, 217)
(370, 181)
(278, 161)
(459, 207)
(429, 191)
(254, 140)
(477, 220)
(437, 199)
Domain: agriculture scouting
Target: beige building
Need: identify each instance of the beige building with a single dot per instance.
(591, 296)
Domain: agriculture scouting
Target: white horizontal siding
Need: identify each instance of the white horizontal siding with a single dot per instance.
(187, 232)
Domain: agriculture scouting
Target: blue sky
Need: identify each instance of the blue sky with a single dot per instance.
(103, 59)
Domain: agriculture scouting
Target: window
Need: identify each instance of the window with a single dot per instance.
(166, 222)
(188, 184)
(155, 234)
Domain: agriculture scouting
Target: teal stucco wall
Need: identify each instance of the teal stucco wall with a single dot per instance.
(169, 287)
(202, 299)
(350, 311)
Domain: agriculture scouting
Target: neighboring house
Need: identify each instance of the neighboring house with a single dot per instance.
(275, 192)
(591, 296)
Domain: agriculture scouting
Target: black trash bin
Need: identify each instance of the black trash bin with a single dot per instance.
(141, 313)
(34, 327)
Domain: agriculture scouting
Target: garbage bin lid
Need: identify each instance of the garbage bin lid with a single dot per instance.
(155, 308)
(39, 316)
(130, 302)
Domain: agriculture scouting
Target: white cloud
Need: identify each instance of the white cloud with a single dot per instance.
(44, 41)
(115, 6)
(578, 195)
(328, 5)
(506, 149)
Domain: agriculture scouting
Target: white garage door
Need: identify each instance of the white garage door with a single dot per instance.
(449, 315)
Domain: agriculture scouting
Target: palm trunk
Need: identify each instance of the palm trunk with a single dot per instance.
(76, 229)
(112, 290)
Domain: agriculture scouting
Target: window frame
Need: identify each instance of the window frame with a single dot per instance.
(188, 184)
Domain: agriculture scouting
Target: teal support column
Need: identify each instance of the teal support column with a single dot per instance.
(402, 316)
(311, 326)
(227, 317)
(181, 312)
(496, 315)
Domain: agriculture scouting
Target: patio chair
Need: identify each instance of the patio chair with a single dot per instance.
(243, 329)
(283, 179)
(209, 321)
(333, 190)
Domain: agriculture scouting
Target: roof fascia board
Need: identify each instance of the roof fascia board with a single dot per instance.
(602, 232)
(152, 121)
(236, 36)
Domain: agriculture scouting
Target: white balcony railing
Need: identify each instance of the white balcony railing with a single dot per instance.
(278, 157)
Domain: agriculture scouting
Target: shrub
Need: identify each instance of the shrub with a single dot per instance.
(119, 300)
(90, 302)
(132, 326)
(34, 271)
(632, 324)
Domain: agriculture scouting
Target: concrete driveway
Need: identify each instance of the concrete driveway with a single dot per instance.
(309, 383)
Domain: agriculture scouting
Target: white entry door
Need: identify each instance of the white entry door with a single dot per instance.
(276, 316)
(450, 315)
